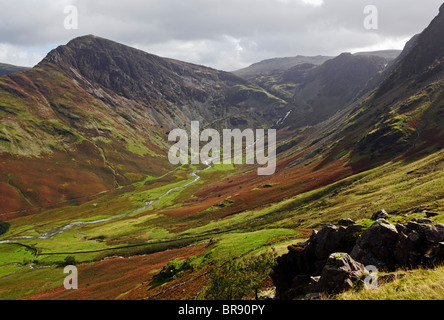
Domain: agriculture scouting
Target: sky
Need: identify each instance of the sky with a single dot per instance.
(223, 34)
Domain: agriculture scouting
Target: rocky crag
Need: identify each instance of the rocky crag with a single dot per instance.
(338, 258)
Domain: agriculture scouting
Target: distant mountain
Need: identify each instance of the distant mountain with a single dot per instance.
(330, 87)
(8, 69)
(277, 64)
(315, 92)
(269, 66)
(386, 54)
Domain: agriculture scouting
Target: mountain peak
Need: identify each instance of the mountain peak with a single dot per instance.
(91, 40)
(83, 39)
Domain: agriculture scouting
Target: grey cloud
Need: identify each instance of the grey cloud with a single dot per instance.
(224, 34)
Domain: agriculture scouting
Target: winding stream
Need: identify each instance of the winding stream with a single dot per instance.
(52, 233)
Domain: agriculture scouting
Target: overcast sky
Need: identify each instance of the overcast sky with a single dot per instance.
(223, 34)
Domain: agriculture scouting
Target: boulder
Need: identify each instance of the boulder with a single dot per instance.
(430, 214)
(418, 244)
(339, 274)
(335, 239)
(433, 233)
(408, 248)
(312, 296)
(376, 245)
(382, 214)
(293, 269)
(425, 220)
(346, 222)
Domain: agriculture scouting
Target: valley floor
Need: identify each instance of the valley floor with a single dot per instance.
(119, 258)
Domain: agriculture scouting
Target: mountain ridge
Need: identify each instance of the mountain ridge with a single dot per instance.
(269, 66)
(6, 69)
(94, 103)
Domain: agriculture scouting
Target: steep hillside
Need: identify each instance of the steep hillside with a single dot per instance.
(330, 87)
(403, 123)
(405, 114)
(314, 93)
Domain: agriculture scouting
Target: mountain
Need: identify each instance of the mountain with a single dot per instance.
(277, 64)
(188, 91)
(328, 88)
(315, 92)
(84, 176)
(399, 119)
(386, 54)
(102, 111)
(397, 131)
(403, 114)
(8, 69)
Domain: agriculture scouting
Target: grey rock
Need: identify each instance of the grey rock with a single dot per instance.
(408, 248)
(434, 233)
(382, 214)
(376, 245)
(346, 222)
(430, 214)
(313, 296)
(419, 210)
(413, 225)
(335, 239)
(425, 220)
(339, 274)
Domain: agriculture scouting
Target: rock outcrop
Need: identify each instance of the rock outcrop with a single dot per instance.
(382, 214)
(376, 245)
(294, 269)
(335, 257)
(339, 274)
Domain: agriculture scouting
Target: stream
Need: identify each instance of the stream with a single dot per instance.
(52, 233)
